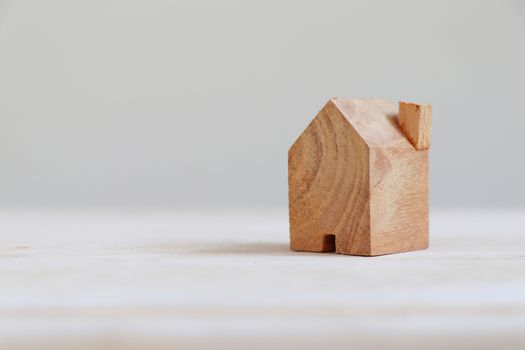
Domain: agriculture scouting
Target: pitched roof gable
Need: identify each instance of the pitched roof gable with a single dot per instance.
(375, 120)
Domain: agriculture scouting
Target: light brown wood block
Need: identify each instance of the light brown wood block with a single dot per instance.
(356, 184)
(416, 120)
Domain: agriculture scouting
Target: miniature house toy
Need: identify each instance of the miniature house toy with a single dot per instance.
(358, 179)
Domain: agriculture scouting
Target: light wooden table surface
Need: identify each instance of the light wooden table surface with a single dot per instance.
(226, 279)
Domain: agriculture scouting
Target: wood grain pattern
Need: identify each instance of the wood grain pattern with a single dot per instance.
(354, 175)
(328, 165)
(415, 120)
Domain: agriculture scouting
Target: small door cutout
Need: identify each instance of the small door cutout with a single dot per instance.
(329, 243)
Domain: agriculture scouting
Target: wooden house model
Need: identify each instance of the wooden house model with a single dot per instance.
(358, 179)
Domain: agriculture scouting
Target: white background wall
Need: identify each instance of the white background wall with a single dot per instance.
(184, 103)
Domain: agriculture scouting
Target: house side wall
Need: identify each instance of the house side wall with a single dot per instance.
(329, 186)
(399, 200)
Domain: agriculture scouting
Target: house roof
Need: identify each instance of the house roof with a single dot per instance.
(375, 120)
